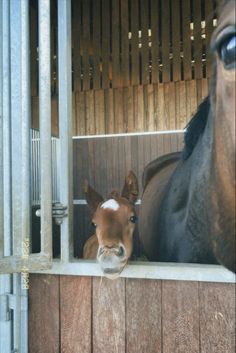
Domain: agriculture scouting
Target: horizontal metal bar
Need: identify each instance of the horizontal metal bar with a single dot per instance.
(163, 132)
(148, 270)
(16, 264)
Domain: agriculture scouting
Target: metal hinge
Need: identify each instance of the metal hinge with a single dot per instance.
(58, 212)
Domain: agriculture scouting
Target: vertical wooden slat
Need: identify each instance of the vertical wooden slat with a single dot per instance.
(209, 13)
(165, 27)
(75, 319)
(109, 111)
(182, 105)
(191, 98)
(161, 108)
(186, 40)
(217, 317)
(124, 43)
(116, 79)
(171, 103)
(197, 40)
(118, 110)
(135, 77)
(86, 44)
(130, 111)
(44, 326)
(155, 40)
(76, 38)
(143, 310)
(176, 39)
(105, 43)
(140, 109)
(90, 117)
(80, 104)
(150, 117)
(180, 317)
(108, 315)
(96, 44)
(33, 52)
(145, 44)
(99, 111)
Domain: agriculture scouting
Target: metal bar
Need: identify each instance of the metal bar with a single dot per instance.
(148, 270)
(16, 112)
(65, 124)
(7, 229)
(34, 262)
(45, 126)
(5, 195)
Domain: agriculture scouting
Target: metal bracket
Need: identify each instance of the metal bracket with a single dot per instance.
(58, 212)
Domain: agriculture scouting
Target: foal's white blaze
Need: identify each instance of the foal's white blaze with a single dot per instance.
(111, 204)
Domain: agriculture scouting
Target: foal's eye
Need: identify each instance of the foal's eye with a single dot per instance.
(227, 51)
(93, 224)
(133, 219)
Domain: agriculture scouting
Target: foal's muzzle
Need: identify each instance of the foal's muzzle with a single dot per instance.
(112, 260)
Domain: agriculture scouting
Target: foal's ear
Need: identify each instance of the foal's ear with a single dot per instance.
(93, 198)
(130, 188)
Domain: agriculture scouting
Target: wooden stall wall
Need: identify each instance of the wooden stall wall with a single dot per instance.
(69, 314)
(105, 162)
(135, 64)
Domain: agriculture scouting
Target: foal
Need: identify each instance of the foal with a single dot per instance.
(114, 223)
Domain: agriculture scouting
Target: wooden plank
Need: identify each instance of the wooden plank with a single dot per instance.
(105, 43)
(175, 5)
(155, 103)
(116, 79)
(33, 51)
(118, 110)
(165, 28)
(186, 40)
(86, 44)
(182, 121)
(124, 43)
(80, 112)
(130, 110)
(145, 42)
(143, 310)
(99, 111)
(217, 317)
(90, 117)
(77, 44)
(109, 111)
(149, 99)
(135, 72)
(125, 103)
(108, 315)
(205, 89)
(171, 104)
(180, 317)
(197, 40)
(209, 13)
(75, 319)
(155, 40)
(44, 326)
(191, 98)
(140, 109)
(96, 44)
(161, 108)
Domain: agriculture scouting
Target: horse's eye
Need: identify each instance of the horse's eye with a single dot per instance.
(227, 51)
(93, 224)
(133, 219)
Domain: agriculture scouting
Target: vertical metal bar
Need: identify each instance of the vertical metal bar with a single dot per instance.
(6, 127)
(5, 280)
(45, 126)
(25, 129)
(16, 112)
(65, 123)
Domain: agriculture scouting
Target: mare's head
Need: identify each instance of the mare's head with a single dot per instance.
(114, 222)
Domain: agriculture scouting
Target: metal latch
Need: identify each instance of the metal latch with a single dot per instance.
(58, 212)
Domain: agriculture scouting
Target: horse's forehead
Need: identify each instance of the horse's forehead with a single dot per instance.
(111, 205)
(226, 17)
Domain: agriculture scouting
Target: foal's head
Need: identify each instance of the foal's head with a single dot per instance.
(114, 222)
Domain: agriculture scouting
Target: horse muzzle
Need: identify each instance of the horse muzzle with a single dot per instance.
(112, 260)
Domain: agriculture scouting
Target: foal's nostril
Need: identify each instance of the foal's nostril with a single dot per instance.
(121, 251)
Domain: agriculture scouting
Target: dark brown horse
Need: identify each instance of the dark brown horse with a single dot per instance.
(188, 205)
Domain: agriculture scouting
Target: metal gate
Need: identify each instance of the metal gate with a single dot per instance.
(16, 258)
